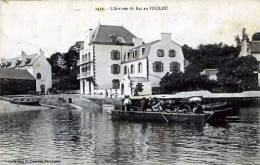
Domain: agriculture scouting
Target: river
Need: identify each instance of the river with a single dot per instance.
(90, 137)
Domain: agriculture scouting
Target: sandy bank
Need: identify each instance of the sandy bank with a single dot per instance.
(6, 106)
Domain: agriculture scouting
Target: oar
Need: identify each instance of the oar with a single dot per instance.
(164, 118)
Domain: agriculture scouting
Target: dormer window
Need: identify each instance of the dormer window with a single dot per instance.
(113, 37)
(28, 60)
(120, 40)
(18, 62)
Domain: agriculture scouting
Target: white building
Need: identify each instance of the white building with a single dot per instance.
(147, 63)
(252, 48)
(101, 58)
(36, 64)
(210, 73)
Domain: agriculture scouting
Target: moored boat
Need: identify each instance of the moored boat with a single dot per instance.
(26, 100)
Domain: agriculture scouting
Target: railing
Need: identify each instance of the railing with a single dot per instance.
(84, 75)
(79, 62)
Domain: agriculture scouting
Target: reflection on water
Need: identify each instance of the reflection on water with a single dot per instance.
(83, 136)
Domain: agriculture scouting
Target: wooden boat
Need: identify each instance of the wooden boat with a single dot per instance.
(25, 100)
(158, 116)
(176, 110)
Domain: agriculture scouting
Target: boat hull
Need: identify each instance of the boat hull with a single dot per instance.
(158, 116)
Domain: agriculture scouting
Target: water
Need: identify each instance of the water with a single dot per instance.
(90, 137)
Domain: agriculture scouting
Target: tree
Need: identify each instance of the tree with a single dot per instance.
(239, 73)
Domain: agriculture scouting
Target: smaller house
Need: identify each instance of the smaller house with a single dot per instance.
(36, 64)
(16, 81)
(144, 65)
(210, 73)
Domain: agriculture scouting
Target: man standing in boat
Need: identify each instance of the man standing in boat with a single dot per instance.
(127, 103)
(143, 104)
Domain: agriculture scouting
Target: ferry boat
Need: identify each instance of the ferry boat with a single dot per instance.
(186, 110)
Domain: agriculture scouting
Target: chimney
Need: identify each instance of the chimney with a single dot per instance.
(23, 54)
(90, 35)
(166, 36)
(137, 41)
(41, 52)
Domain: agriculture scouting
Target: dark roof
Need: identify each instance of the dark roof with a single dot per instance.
(103, 35)
(19, 74)
(255, 47)
(256, 37)
(147, 47)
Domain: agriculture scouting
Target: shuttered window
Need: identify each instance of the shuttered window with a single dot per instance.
(158, 66)
(172, 53)
(115, 55)
(115, 83)
(115, 69)
(175, 67)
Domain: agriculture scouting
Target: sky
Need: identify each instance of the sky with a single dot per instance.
(55, 25)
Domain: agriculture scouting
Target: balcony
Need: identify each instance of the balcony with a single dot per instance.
(84, 75)
(80, 62)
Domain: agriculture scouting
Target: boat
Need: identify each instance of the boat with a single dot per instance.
(187, 110)
(26, 100)
(158, 116)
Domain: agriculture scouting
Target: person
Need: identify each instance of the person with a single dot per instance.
(127, 103)
(150, 102)
(143, 104)
(157, 106)
(197, 108)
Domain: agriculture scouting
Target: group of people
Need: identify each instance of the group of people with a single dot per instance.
(152, 103)
(159, 105)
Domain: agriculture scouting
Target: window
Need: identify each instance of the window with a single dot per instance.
(38, 76)
(89, 56)
(125, 69)
(115, 84)
(132, 69)
(172, 53)
(160, 52)
(143, 49)
(175, 67)
(158, 66)
(115, 55)
(115, 69)
(140, 67)
(28, 60)
(128, 56)
(136, 54)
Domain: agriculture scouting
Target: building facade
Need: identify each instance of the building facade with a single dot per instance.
(100, 60)
(146, 64)
(252, 48)
(36, 64)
